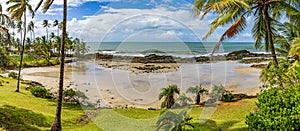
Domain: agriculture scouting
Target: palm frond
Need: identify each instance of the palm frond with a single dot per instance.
(234, 29)
(47, 5)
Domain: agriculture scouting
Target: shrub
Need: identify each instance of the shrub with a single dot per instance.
(13, 75)
(71, 95)
(40, 92)
(227, 96)
(278, 109)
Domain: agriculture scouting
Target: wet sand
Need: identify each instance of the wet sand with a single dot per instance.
(123, 87)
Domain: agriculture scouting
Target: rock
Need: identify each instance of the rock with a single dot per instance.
(150, 108)
(239, 53)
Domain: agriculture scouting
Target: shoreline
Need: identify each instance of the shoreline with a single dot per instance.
(112, 92)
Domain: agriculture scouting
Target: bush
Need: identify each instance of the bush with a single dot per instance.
(227, 96)
(40, 92)
(278, 109)
(71, 95)
(13, 75)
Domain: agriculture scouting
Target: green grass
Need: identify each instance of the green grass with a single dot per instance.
(29, 61)
(24, 111)
(227, 116)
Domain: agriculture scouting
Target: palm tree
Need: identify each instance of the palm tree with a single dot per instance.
(198, 90)
(46, 25)
(56, 126)
(30, 28)
(184, 100)
(237, 11)
(5, 22)
(17, 11)
(174, 122)
(55, 23)
(168, 93)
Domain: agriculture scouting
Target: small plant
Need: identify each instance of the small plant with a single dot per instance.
(71, 95)
(227, 96)
(13, 75)
(40, 92)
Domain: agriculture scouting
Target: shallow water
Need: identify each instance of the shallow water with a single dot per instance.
(125, 87)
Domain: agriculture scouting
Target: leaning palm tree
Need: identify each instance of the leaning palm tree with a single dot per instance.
(198, 90)
(266, 14)
(17, 11)
(169, 94)
(47, 3)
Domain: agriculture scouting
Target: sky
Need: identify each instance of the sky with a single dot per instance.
(132, 20)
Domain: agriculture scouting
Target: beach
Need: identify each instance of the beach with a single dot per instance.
(123, 85)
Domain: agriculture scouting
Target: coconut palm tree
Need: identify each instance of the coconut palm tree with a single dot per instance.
(198, 90)
(17, 11)
(30, 28)
(55, 23)
(184, 100)
(46, 25)
(171, 121)
(265, 12)
(5, 22)
(169, 94)
(56, 126)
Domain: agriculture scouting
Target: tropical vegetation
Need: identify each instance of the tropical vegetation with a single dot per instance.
(198, 90)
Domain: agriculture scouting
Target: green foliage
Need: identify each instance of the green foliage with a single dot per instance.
(18, 119)
(279, 104)
(69, 93)
(285, 75)
(174, 122)
(227, 96)
(13, 75)
(4, 58)
(278, 109)
(41, 92)
(183, 100)
(169, 94)
(198, 90)
(73, 96)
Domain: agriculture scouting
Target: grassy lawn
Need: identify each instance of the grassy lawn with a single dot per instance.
(26, 112)
(22, 110)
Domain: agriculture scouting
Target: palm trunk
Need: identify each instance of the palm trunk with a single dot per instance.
(56, 126)
(270, 38)
(198, 99)
(22, 53)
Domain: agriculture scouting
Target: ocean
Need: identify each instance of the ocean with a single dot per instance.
(178, 49)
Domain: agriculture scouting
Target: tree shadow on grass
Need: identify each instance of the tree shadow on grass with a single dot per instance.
(212, 125)
(18, 119)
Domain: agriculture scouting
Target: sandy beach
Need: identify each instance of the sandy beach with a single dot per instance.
(126, 85)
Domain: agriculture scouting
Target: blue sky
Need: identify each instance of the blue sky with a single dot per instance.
(133, 20)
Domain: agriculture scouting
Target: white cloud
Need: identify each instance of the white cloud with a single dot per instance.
(121, 23)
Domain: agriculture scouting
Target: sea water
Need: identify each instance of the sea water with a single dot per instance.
(179, 49)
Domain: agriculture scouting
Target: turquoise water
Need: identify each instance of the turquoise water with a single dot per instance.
(180, 49)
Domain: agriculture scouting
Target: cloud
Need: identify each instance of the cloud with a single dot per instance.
(118, 24)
